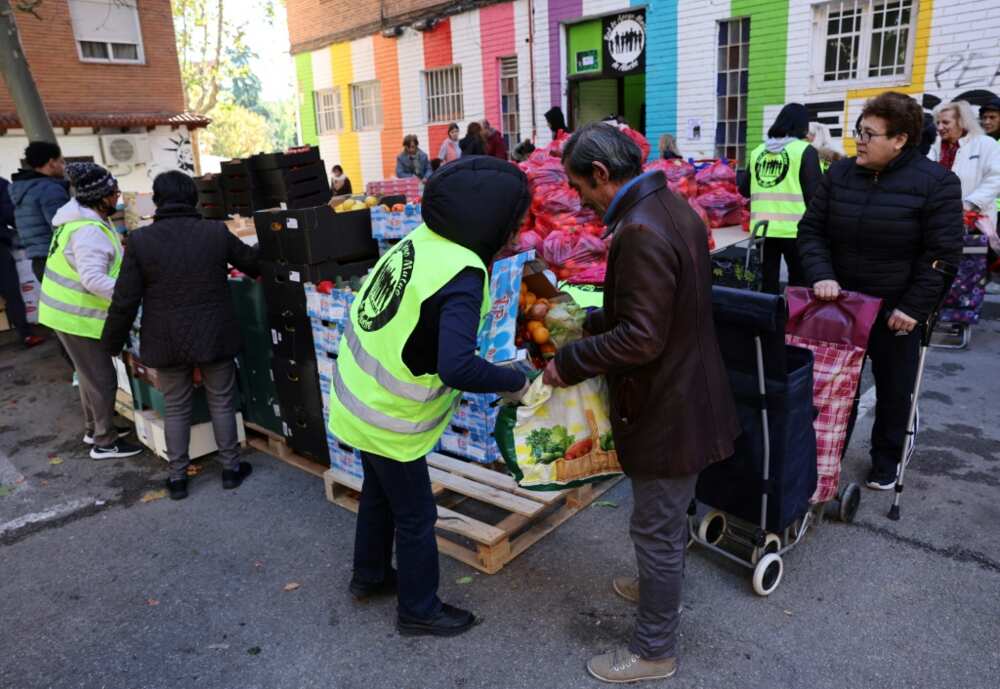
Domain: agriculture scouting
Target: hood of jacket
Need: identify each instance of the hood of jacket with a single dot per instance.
(24, 181)
(777, 145)
(477, 202)
(74, 211)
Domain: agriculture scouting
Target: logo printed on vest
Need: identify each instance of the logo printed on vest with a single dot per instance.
(771, 168)
(384, 290)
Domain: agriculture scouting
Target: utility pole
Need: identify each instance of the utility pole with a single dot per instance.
(20, 83)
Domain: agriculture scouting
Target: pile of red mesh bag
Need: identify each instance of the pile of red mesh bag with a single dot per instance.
(569, 237)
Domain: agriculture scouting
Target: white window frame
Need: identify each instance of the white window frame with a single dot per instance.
(821, 14)
(366, 106)
(510, 122)
(444, 98)
(109, 45)
(334, 113)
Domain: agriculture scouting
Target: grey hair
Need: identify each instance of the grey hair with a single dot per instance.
(606, 144)
(967, 119)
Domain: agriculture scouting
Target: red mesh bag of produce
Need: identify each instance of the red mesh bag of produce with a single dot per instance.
(700, 212)
(675, 169)
(718, 171)
(723, 207)
(591, 274)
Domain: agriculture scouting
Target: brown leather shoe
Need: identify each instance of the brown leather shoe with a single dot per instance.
(627, 588)
(621, 666)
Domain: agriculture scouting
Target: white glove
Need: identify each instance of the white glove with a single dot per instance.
(513, 398)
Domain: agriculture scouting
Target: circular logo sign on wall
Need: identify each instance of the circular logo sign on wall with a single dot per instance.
(384, 290)
(625, 41)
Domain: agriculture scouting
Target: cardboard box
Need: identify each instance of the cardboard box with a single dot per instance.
(291, 336)
(470, 445)
(497, 338)
(344, 457)
(284, 283)
(149, 428)
(395, 224)
(139, 209)
(121, 371)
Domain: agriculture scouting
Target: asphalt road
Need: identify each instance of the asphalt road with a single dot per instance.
(101, 589)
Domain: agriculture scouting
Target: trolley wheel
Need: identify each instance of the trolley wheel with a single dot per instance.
(772, 544)
(712, 527)
(849, 501)
(767, 574)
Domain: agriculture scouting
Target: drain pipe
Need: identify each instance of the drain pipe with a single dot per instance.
(531, 68)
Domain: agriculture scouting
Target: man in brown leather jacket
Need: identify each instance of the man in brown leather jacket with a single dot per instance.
(672, 410)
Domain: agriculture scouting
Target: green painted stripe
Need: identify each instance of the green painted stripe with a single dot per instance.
(307, 107)
(768, 60)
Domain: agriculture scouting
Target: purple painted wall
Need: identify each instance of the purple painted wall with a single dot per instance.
(559, 11)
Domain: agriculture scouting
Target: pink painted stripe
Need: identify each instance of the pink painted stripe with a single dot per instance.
(496, 28)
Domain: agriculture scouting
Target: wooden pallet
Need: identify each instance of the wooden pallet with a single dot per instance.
(275, 445)
(123, 404)
(528, 516)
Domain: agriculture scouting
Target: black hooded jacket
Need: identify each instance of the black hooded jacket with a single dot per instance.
(477, 203)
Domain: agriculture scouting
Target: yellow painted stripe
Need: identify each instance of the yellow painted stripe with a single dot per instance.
(343, 74)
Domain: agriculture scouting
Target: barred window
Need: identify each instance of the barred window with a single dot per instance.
(443, 88)
(366, 104)
(329, 111)
(510, 109)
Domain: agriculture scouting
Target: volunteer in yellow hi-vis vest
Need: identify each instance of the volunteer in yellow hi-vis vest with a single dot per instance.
(80, 272)
(784, 172)
(408, 350)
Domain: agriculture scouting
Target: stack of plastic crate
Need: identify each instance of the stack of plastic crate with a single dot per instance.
(328, 312)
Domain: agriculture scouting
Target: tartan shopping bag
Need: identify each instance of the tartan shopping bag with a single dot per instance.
(837, 334)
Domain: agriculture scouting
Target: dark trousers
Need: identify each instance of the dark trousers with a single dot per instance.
(219, 380)
(38, 268)
(774, 249)
(659, 530)
(397, 503)
(98, 386)
(894, 366)
(10, 290)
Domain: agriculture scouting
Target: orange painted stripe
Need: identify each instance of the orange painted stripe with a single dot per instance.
(387, 72)
(437, 53)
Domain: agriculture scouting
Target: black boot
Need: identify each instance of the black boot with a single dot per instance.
(178, 488)
(232, 479)
(450, 621)
(363, 590)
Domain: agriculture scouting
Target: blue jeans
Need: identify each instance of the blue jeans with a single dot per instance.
(396, 502)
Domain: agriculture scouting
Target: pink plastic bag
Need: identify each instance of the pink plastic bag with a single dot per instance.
(722, 207)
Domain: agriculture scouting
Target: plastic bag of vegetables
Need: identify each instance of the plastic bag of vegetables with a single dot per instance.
(564, 321)
(558, 437)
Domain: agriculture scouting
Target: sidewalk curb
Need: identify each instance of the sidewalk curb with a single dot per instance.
(16, 528)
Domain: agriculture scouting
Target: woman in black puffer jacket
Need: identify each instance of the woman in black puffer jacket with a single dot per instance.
(177, 269)
(875, 225)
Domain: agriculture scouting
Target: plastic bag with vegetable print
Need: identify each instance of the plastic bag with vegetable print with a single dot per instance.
(558, 437)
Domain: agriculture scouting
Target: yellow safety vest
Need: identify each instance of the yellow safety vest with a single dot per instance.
(376, 403)
(775, 191)
(64, 303)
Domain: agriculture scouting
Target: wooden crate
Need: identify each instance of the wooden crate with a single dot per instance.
(123, 404)
(526, 516)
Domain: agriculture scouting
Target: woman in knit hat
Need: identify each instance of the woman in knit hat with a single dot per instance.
(80, 274)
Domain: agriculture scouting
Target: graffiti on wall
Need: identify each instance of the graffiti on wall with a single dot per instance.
(171, 151)
(960, 70)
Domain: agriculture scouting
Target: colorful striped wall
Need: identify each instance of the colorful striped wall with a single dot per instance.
(680, 92)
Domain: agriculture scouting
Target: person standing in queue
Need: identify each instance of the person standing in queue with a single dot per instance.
(876, 225)
(80, 274)
(672, 410)
(177, 269)
(784, 172)
(408, 351)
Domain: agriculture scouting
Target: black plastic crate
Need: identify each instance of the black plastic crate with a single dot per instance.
(293, 157)
(320, 198)
(315, 234)
(297, 383)
(291, 334)
(283, 283)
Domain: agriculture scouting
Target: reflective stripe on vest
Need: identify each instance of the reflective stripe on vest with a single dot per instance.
(376, 403)
(775, 190)
(64, 303)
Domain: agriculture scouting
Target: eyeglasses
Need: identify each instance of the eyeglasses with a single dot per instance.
(866, 136)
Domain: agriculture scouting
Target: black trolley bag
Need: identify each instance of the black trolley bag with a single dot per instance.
(772, 475)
